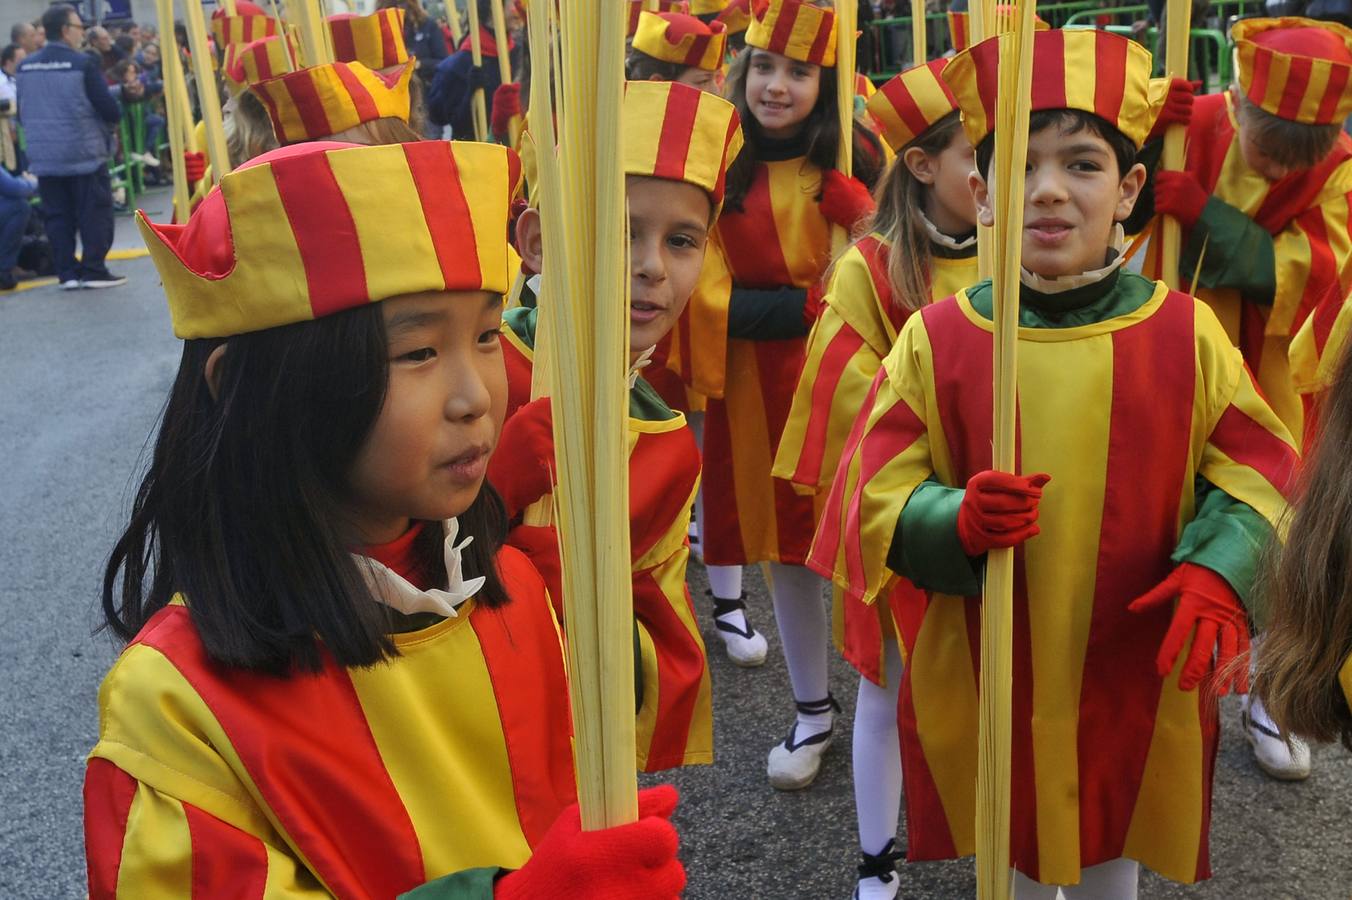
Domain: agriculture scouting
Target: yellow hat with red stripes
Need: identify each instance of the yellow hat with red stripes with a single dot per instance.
(909, 104)
(1296, 69)
(1089, 70)
(795, 29)
(736, 16)
(707, 7)
(316, 229)
(250, 23)
(960, 25)
(658, 6)
(681, 39)
(376, 41)
(320, 101)
(248, 64)
(680, 133)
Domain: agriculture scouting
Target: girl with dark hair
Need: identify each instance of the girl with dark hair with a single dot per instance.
(338, 681)
(750, 316)
(920, 248)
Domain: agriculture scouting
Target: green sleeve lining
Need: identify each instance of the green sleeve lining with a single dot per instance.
(925, 547)
(471, 884)
(1228, 537)
(1239, 254)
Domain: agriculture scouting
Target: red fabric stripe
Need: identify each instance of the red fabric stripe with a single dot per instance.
(750, 238)
(271, 724)
(962, 383)
(361, 97)
(986, 58)
(1333, 92)
(521, 651)
(1258, 80)
(1110, 76)
(1120, 687)
(108, 794)
(909, 113)
(722, 538)
(305, 97)
(927, 834)
(225, 860)
(1049, 61)
(1250, 444)
(519, 372)
(1023, 846)
(838, 354)
(1325, 316)
(1297, 192)
(1323, 272)
(344, 43)
(1297, 77)
(876, 254)
(389, 42)
(783, 30)
(446, 211)
(325, 233)
(680, 672)
(778, 365)
(819, 41)
(663, 470)
(862, 634)
(677, 126)
(1209, 137)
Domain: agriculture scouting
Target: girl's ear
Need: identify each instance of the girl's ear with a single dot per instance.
(1129, 192)
(530, 239)
(920, 165)
(212, 371)
(985, 211)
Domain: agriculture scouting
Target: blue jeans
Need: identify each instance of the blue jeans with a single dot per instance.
(14, 212)
(83, 205)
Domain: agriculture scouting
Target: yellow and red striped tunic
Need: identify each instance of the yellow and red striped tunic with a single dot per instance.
(779, 238)
(1309, 215)
(1110, 760)
(858, 325)
(365, 782)
(675, 716)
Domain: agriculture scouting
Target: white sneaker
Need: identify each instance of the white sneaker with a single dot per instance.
(745, 645)
(149, 159)
(71, 284)
(1280, 759)
(794, 763)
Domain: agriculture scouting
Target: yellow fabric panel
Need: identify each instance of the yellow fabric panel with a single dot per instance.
(1081, 77)
(367, 41)
(643, 130)
(708, 316)
(391, 226)
(1171, 785)
(1345, 679)
(157, 849)
(787, 457)
(463, 720)
(1314, 92)
(483, 195)
(1056, 412)
(1291, 255)
(1274, 379)
(948, 276)
(674, 539)
(803, 234)
(852, 295)
(646, 723)
(940, 665)
(752, 457)
(1312, 371)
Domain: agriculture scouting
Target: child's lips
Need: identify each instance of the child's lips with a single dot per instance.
(1049, 233)
(643, 311)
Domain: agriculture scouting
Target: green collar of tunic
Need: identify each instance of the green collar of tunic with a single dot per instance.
(1118, 294)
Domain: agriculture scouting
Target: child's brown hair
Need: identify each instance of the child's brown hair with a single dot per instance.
(1308, 586)
(1286, 143)
(899, 217)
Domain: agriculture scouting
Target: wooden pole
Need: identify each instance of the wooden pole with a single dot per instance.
(846, 17)
(919, 34)
(176, 92)
(477, 54)
(1178, 30)
(453, 19)
(208, 99)
(1006, 185)
(503, 41)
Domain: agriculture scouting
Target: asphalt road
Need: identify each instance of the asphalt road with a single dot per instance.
(82, 379)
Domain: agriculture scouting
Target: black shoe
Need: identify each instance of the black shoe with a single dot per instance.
(106, 280)
(8, 282)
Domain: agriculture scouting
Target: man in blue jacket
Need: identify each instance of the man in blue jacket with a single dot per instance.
(69, 117)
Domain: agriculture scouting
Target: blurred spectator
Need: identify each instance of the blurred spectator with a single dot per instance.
(130, 87)
(14, 212)
(149, 61)
(27, 37)
(68, 117)
(422, 35)
(10, 58)
(125, 46)
(449, 99)
(102, 47)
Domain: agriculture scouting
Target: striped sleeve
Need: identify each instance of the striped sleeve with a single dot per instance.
(1308, 256)
(1249, 454)
(1319, 343)
(886, 457)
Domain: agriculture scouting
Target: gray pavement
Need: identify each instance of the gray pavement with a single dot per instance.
(82, 379)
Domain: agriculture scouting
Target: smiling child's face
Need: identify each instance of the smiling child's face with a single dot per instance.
(668, 228)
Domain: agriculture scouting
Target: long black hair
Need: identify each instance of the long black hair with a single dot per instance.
(820, 134)
(241, 509)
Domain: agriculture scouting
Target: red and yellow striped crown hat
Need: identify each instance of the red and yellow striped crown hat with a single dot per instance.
(707, 7)
(636, 7)
(736, 16)
(681, 39)
(376, 41)
(249, 23)
(1088, 70)
(795, 29)
(960, 25)
(907, 105)
(316, 229)
(248, 64)
(680, 133)
(1296, 69)
(320, 101)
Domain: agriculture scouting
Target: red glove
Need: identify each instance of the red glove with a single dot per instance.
(1181, 195)
(1207, 601)
(999, 510)
(1177, 109)
(194, 166)
(845, 201)
(812, 307)
(629, 862)
(522, 465)
(506, 103)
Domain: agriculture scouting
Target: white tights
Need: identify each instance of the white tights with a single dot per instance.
(804, 632)
(1113, 880)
